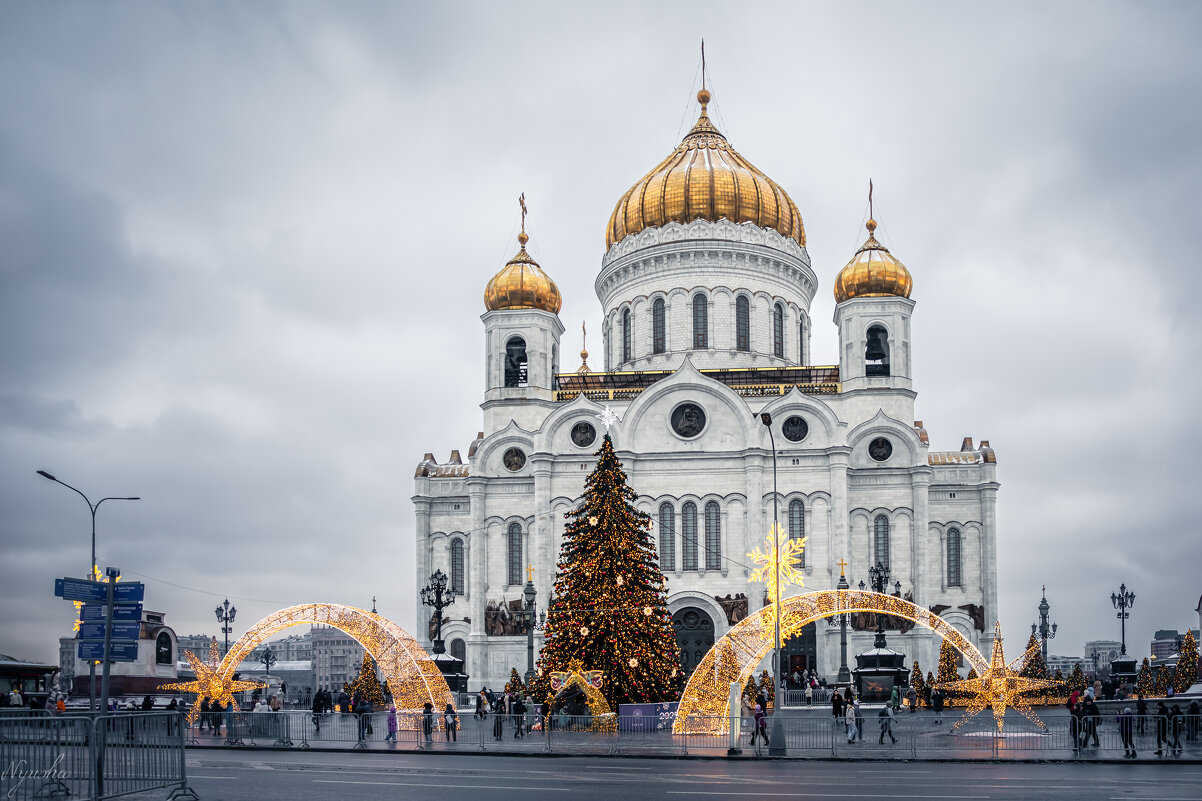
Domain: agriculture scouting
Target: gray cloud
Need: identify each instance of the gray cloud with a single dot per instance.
(243, 248)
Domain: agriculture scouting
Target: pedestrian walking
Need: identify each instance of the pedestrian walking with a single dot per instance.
(895, 699)
(479, 714)
(1091, 718)
(1141, 710)
(936, 705)
(849, 720)
(837, 706)
(392, 724)
(809, 695)
(761, 725)
(318, 707)
(855, 705)
(498, 714)
(1162, 728)
(518, 709)
(1126, 721)
(428, 722)
(1175, 728)
(912, 699)
(450, 722)
(886, 721)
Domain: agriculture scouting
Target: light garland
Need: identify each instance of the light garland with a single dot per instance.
(789, 553)
(703, 705)
(1000, 686)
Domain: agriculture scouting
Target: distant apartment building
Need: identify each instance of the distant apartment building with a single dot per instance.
(1065, 664)
(336, 657)
(1100, 653)
(1164, 642)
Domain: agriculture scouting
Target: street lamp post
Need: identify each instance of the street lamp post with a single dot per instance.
(878, 575)
(225, 616)
(778, 726)
(268, 659)
(840, 620)
(1123, 600)
(1045, 629)
(529, 618)
(91, 575)
(435, 594)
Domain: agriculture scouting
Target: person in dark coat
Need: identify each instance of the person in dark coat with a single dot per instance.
(1162, 727)
(1175, 722)
(1141, 709)
(147, 704)
(1191, 728)
(498, 718)
(1091, 717)
(937, 705)
(1126, 721)
(318, 708)
(837, 706)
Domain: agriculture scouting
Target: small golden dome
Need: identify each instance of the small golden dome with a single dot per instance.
(522, 284)
(873, 272)
(704, 179)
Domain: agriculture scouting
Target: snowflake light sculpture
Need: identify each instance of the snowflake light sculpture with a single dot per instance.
(999, 687)
(790, 554)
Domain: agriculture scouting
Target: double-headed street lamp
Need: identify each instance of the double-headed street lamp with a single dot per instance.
(435, 594)
(225, 616)
(91, 574)
(1123, 600)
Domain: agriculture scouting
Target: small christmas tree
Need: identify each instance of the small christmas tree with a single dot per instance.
(1059, 677)
(972, 673)
(751, 691)
(366, 685)
(916, 681)
(766, 686)
(610, 608)
(1187, 664)
(514, 685)
(1077, 680)
(728, 667)
(1164, 680)
(1144, 682)
(1033, 666)
(948, 669)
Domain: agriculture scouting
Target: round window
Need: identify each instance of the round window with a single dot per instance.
(795, 429)
(514, 459)
(688, 420)
(880, 449)
(583, 434)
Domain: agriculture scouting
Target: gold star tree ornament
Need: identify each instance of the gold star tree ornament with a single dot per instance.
(791, 551)
(1000, 687)
(210, 683)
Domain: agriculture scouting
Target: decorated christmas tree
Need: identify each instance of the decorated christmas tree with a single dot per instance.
(1077, 680)
(1187, 664)
(948, 670)
(1033, 666)
(514, 685)
(1164, 680)
(728, 666)
(972, 673)
(1059, 677)
(917, 682)
(610, 607)
(1144, 682)
(767, 687)
(751, 690)
(366, 685)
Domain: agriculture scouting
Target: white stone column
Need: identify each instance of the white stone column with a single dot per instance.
(920, 487)
(989, 559)
(422, 508)
(477, 647)
(541, 547)
(756, 527)
(840, 544)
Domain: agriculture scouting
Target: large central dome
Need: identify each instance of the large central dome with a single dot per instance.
(704, 179)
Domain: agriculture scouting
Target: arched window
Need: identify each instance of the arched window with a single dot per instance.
(667, 537)
(515, 554)
(515, 362)
(742, 323)
(880, 540)
(457, 582)
(701, 322)
(688, 536)
(626, 335)
(953, 557)
(659, 338)
(459, 649)
(876, 352)
(713, 536)
(778, 331)
(797, 525)
(801, 342)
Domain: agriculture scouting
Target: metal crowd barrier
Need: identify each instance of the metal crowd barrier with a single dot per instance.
(100, 757)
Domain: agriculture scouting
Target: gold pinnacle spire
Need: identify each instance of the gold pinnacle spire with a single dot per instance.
(522, 238)
(871, 225)
(584, 368)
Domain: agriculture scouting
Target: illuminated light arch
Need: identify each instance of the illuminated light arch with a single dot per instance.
(706, 695)
(411, 674)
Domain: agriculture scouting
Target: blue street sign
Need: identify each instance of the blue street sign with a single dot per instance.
(129, 593)
(90, 650)
(95, 612)
(121, 631)
(70, 589)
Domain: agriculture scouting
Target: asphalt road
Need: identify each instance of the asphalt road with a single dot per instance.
(259, 776)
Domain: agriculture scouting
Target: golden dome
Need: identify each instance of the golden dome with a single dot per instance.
(873, 272)
(704, 179)
(522, 284)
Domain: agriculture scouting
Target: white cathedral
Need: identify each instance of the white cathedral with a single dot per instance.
(706, 289)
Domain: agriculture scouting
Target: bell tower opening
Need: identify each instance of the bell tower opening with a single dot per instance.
(876, 354)
(516, 366)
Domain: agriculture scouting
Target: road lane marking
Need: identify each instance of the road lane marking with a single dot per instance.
(525, 788)
(813, 795)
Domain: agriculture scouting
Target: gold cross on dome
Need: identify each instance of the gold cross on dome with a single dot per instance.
(529, 572)
(522, 203)
(842, 564)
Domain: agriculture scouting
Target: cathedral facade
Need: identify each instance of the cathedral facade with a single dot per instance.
(706, 289)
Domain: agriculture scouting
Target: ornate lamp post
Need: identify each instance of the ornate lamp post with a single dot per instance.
(435, 594)
(1123, 600)
(225, 616)
(1045, 629)
(840, 620)
(529, 618)
(268, 659)
(91, 574)
(878, 575)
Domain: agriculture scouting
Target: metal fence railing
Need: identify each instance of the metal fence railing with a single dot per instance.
(98, 757)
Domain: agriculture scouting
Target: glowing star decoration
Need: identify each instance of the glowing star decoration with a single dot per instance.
(999, 687)
(608, 418)
(592, 521)
(619, 581)
(584, 631)
(790, 552)
(210, 684)
(647, 611)
(633, 662)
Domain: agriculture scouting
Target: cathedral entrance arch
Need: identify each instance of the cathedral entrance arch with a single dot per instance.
(412, 677)
(694, 636)
(703, 703)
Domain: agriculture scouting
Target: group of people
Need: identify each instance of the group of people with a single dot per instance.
(1169, 723)
(450, 723)
(506, 705)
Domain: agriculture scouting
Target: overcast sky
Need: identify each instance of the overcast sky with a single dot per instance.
(243, 248)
